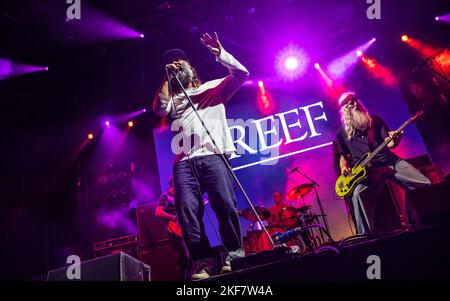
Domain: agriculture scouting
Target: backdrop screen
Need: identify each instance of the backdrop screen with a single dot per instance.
(296, 130)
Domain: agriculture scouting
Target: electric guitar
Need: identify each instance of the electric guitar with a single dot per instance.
(346, 183)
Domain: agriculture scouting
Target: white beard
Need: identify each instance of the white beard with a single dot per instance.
(359, 120)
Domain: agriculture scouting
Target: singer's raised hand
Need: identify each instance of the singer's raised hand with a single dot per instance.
(212, 43)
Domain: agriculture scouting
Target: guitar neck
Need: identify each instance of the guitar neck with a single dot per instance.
(386, 142)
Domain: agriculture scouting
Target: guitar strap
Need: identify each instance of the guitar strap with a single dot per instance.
(371, 138)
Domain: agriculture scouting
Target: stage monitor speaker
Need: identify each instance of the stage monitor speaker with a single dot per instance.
(151, 228)
(114, 267)
(429, 205)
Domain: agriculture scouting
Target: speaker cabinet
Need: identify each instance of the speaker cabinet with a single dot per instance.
(114, 267)
(152, 230)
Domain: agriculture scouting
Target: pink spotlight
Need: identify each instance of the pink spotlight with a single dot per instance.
(317, 66)
(359, 53)
(46, 68)
(437, 18)
(260, 84)
(291, 63)
(144, 110)
(107, 123)
(142, 35)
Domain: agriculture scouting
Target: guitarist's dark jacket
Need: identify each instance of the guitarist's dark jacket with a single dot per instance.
(360, 144)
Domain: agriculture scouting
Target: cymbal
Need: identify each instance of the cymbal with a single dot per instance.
(299, 192)
(248, 214)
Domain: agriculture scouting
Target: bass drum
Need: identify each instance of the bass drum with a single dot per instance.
(263, 243)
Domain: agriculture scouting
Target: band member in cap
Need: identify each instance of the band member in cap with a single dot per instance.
(360, 133)
(199, 166)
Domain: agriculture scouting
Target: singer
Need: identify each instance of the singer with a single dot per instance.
(201, 169)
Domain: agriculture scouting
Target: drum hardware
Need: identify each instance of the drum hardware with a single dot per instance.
(314, 184)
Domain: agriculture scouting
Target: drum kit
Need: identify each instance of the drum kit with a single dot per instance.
(291, 216)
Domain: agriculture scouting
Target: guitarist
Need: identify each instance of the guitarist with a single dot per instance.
(359, 134)
(166, 210)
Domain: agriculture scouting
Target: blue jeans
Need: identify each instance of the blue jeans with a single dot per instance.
(192, 178)
(366, 193)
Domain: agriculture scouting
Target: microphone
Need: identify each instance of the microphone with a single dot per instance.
(172, 69)
(294, 169)
(279, 237)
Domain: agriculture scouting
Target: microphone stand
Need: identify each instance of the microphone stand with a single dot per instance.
(225, 160)
(314, 183)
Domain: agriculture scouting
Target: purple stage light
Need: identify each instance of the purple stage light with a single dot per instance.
(10, 69)
(107, 123)
(142, 35)
(144, 110)
(291, 63)
(444, 18)
(342, 66)
(98, 26)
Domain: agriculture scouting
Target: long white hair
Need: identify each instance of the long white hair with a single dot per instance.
(355, 118)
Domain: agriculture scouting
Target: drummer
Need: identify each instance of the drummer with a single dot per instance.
(275, 210)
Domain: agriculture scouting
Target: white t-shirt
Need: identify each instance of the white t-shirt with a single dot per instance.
(190, 138)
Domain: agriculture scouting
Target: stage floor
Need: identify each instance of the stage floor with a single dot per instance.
(414, 255)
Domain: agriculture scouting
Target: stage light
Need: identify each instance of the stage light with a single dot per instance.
(9, 68)
(265, 103)
(379, 71)
(405, 38)
(317, 66)
(130, 124)
(90, 136)
(142, 35)
(443, 18)
(144, 110)
(107, 123)
(291, 63)
(46, 68)
(342, 66)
